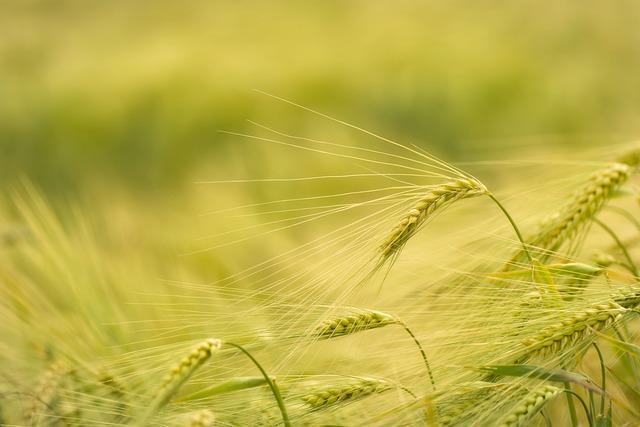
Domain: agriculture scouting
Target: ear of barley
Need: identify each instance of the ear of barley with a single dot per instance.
(435, 199)
(357, 321)
(178, 375)
(362, 320)
(533, 404)
(583, 207)
(571, 330)
(327, 396)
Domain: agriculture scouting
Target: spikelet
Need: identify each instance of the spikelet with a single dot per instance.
(203, 418)
(179, 374)
(584, 206)
(328, 396)
(357, 321)
(557, 337)
(436, 198)
(534, 402)
(628, 298)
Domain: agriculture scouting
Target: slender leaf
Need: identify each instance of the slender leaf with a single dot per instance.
(235, 384)
(539, 372)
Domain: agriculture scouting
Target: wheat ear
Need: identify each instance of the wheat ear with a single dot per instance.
(362, 320)
(178, 375)
(327, 396)
(359, 320)
(534, 402)
(435, 199)
(576, 327)
(583, 207)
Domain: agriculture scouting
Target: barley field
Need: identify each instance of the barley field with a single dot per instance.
(364, 213)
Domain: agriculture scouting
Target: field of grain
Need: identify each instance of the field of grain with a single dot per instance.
(286, 213)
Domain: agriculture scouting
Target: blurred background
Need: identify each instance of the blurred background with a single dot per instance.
(133, 95)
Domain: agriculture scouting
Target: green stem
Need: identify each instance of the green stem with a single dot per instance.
(592, 404)
(547, 420)
(572, 407)
(584, 405)
(424, 355)
(513, 224)
(603, 385)
(623, 248)
(272, 385)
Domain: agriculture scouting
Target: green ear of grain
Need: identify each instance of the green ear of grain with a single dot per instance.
(572, 329)
(585, 205)
(235, 384)
(435, 199)
(324, 397)
(358, 320)
(533, 404)
(178, 375)
(362, 320)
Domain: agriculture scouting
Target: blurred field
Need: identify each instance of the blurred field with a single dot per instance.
(137, 92)
(155, 190)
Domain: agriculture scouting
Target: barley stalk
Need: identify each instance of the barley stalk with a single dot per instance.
(534, 402)
(576, 327)
(272, 384)
(178, 375)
